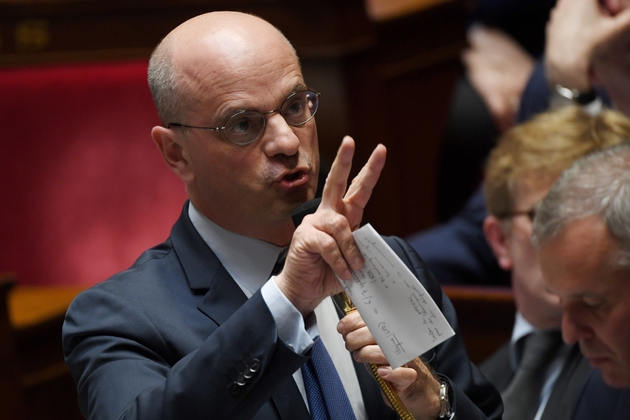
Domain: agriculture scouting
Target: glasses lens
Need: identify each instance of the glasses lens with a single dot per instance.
(298, 109)
(245, 127)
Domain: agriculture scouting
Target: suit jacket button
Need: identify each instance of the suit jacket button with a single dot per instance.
(234, 389)
(241, 380)
(254, 365)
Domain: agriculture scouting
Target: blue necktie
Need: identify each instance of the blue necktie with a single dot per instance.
(327, 399)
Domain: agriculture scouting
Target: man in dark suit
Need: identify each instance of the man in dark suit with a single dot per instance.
(519, 173)
(582, 233)
(196, 328)
(600, 400)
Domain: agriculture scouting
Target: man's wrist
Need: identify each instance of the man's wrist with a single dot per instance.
(292, 328)
(305, 307)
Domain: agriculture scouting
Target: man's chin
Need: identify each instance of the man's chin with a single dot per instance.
(615, 376)
(299, 196)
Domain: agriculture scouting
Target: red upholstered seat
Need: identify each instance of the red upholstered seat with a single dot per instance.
(83, 188)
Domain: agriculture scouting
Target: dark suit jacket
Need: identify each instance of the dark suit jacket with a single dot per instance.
(599, 401)
(566, 390)
(170, 337)
(457, 252)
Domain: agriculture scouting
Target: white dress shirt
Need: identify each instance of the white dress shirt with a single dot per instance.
(250, 262)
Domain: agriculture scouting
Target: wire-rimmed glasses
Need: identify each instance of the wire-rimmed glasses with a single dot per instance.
(531, 214)
(247, 126)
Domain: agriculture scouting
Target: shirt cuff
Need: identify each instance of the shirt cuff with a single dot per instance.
(294, 331)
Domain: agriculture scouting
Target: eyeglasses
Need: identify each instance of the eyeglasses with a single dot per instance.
(531, 214)
(246, 127)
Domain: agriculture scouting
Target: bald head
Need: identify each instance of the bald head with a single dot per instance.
(204, 73)
(206, 50)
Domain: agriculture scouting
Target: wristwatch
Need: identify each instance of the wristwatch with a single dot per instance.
(575, 95)
(445, 405)
(564, 96)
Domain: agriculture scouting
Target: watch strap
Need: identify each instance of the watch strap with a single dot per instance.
(574, 95)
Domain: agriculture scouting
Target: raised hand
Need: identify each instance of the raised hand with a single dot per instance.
(498, 67)
(322, 245)
(578, 31)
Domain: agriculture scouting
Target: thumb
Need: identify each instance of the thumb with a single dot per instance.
(400, 378)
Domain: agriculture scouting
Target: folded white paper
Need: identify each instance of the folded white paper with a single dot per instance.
(397, 309)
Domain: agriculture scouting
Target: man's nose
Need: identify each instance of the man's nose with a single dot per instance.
(280, 138)
(574, 325)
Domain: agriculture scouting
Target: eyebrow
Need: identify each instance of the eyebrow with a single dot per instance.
(228, 112)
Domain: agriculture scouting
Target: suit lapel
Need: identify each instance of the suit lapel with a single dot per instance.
(223, 297)
(289, 402)
(568, 386)
(623, 405)
(204, 271)
(598, 400)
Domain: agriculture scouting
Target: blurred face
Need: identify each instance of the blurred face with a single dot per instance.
(251, 189)
(536, 304)
(579, 265)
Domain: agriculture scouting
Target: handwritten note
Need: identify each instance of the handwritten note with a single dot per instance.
(397, 309)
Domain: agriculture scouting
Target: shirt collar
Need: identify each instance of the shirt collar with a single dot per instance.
(248, 260)
(522, 328)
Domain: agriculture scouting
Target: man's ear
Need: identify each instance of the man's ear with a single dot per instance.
(173, 151)
(494, 230)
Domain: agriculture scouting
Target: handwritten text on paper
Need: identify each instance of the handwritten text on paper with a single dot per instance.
(399, 312)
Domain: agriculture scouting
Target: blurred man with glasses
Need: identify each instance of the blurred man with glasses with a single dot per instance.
(208, 325)
(519, 173)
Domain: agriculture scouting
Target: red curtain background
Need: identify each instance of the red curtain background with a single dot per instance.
(83, 188)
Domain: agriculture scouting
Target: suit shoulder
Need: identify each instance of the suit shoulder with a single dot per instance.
(152, 267)
(415, 263)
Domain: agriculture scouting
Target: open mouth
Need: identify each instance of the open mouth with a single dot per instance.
(294, 176)
(294, 179)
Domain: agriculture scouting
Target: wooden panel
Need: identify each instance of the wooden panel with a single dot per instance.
(30, 306)
(37, 315)
(380, 10)
(47, 31)
(486, 317)
(35, 383)
(399, 95)
(12, 404)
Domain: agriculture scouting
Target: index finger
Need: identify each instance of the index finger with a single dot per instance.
(337, 180)
(363, 184)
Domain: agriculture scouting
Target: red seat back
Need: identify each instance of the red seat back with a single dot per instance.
(83, 188)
